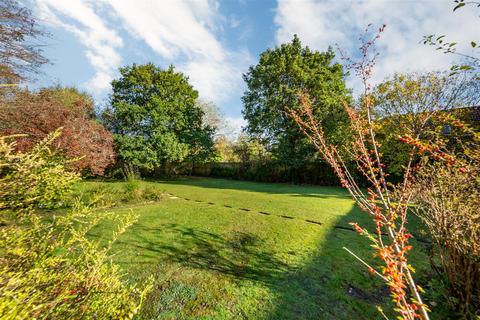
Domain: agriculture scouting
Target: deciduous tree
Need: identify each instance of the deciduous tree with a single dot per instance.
(211, 114)
(155, 118)
(20, 52)
(273, 85)
(406, 104)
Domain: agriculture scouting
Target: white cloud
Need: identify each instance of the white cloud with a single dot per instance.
(172, 27)
(180, 32)
(100, 41)
(184, 33)
(320, 24)
(218, 80)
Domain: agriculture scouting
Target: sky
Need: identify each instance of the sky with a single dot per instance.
(214, 42)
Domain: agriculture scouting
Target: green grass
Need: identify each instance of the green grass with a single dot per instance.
(213, 259)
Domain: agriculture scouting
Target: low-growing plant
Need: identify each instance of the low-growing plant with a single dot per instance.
(151, 194)
(133, 189)
(97, 196)
(35, 179)
(100, 196)
(49, 267)
(51, 270)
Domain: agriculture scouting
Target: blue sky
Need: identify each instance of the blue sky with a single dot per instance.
(214, 42)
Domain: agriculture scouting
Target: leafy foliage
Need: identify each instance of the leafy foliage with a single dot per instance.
(273, 85)
(470, 60)
(38, 114)
(155, 118)
(49, 269)
(250, 150)
(406, 104)
(33, 179)
(224, 149)
(448, 197)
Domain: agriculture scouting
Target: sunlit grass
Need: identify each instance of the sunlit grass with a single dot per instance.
(222, 249)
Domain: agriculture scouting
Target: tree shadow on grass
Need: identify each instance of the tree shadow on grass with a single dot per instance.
(330, 285)
(264, 187)
(334, 285)
(241, 255)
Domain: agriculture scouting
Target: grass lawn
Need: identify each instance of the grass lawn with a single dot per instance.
(222, 249)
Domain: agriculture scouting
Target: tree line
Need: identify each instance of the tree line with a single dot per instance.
(155, 122)
(412, 140)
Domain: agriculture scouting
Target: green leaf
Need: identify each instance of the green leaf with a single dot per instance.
(458, 6)
(465, 67)
(59, 251)
(473, 44)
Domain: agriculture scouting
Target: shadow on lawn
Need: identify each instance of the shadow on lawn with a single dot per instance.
(334, 285)
(238, 254)
(264, 187)
(331, 285)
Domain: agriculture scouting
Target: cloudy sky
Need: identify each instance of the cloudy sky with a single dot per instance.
(214, 42)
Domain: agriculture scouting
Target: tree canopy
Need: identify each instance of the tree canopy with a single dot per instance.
(20, 52)
(409, 104)
(36, 114)
(273, 85)
(212, 116)
(155, 118)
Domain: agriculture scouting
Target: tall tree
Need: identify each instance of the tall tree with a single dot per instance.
(274, 85)
(212, 115)
(155, 119)
(20, 52)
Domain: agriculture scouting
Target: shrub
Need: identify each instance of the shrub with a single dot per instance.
(97, 196)
(448, 199)
(133, 190)
(38, 114)
(33, 179)
(49, 268)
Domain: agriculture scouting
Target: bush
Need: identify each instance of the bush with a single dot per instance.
(134, 191)
(38, 114)
(34, 179)
(449, 200)
(131, 192)
(49, 268)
